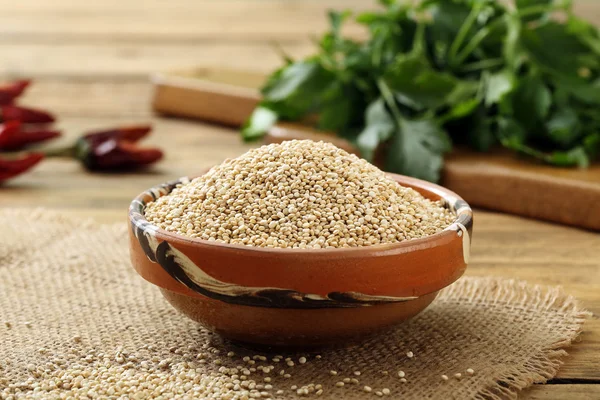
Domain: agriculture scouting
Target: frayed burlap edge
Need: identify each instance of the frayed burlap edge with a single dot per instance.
(540, 297)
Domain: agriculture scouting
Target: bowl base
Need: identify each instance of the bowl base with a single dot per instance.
(294, 328)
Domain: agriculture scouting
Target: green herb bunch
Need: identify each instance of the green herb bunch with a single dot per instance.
(472, 72)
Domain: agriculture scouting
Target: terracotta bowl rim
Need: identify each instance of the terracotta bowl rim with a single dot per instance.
(453, 201)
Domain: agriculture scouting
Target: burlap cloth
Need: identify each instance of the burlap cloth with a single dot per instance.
(70, 300)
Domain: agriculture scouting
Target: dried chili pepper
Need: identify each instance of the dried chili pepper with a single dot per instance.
(13, 136)
(11, 91)
(9, 168)
(112, 150)
(28, 115)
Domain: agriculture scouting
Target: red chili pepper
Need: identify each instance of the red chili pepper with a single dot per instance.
(14, 137)
(23, 114)
(128, 133)
(111, 150)
(114, 154)
(9, 168)
(11, 91)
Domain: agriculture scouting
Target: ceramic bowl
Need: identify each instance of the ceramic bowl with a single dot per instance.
(300, 297)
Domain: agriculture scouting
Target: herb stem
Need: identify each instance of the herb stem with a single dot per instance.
(485, 32)
(537, 10)
(418, 41)
(388, 97)
(476, 41)
(462, 33)
(483, 64)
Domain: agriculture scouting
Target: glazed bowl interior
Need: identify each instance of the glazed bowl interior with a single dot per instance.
(344, 292)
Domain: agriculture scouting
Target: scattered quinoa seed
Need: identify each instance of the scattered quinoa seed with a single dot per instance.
(385, 391)
(298, 194)
(357, 373)
(379, 393)
(332, 373)
(339, 384)
(367, 389)
(458, 375)
(302, 360)
(403, 380)
(445, 377)
(410, 354)
(470, 371)
(401, 374)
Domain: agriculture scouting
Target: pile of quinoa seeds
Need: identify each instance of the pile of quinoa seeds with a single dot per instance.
(298, 194)
(189, 372)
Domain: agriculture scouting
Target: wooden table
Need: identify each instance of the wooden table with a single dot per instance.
(91, 62)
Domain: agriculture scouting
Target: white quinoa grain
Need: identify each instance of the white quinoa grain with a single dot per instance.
(445, 377)
(339, 384)
(410, 354)
(302, 360)
(367, 389)
(401, 374)
(470, 371)
(298, 194)
(385, 391)
(458, 375)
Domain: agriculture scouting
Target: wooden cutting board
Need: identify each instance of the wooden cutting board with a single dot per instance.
(497, 181)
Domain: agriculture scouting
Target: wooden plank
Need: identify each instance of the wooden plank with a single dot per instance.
(245, 20)
(97, 98)
(187, 20)
(138, 61)
(562, 392)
